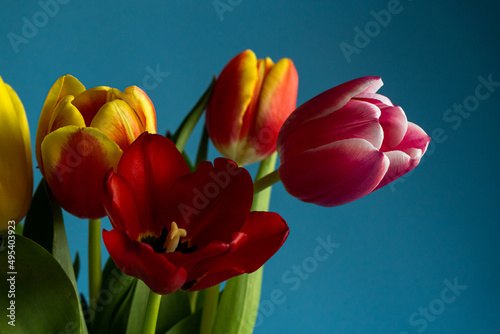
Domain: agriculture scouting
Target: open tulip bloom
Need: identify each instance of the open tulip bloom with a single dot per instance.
(176, 229)
(181, 228)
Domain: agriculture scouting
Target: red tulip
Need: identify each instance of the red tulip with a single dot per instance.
(251, 100)
(345, 143)
(176, 229)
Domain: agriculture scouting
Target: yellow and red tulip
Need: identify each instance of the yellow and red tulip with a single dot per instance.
(16, 168)
(251, 100)
(175, 229)
(82, 134)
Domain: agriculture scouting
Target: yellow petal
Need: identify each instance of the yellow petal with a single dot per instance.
(90, 101)
(141, 103)
(16, 170)
(65, 85)
(119, 122)
(66, 114)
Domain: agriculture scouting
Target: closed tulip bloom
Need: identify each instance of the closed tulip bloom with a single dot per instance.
(16, 168)
(251, 100)
(82, 134)
(346, 143)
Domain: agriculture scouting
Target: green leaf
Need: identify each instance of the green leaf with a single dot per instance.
(239, 303)
(137, 309)
(203, 147)
(187, 126)
(173, 308)
(116, 288)
(188, 325)
(76, 265)
(45, 298)
(44, 225)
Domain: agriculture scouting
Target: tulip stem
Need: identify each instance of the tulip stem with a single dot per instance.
(266, 181)
(193, 298)
(151, 313)
(209, 309)
(95, 274)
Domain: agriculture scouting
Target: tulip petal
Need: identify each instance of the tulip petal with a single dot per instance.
(265, 234)
(151, 165)
(90, 101)
(16, 168)
(75, 163)
(121, 205)
(230, 99)
(194, 202)
(278, 98)
(65, 85)
(334, 174)
(66, 114)
(117, 120)
(357, 119)
(326, 103)
(377, 99)
(139, 260)
(395, 124)
(141, 103)
(406, 155)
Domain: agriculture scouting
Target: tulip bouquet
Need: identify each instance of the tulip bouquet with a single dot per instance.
(181, 227)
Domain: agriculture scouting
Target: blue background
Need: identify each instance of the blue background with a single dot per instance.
(397, 246)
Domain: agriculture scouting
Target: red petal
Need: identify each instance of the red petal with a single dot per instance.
(230, 99)
(75, 163)
(334, 174)
(212, 203)
(265, 233)
(151, 165)
(139, 260)
(121, 205)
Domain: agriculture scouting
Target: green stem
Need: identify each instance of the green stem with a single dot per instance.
(95, 274)
(209, 309)
(193, 297)
(266, 181)
(265, 178)
(151, 313)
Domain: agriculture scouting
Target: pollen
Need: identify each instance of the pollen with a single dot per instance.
(174, 236)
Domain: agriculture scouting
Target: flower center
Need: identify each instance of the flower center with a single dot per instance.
(173, 237)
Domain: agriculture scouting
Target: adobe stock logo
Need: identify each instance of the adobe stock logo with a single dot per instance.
(29, 29)
(363, 38)
(428, 313)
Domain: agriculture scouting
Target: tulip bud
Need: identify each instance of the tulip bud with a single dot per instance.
(251, 100)
(16, 169)
(82, 134)
(345, 143)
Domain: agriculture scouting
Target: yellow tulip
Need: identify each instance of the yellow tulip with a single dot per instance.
(16, 168)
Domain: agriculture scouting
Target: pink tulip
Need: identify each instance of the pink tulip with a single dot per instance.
(346, 143)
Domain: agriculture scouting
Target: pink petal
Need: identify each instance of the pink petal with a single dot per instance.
(395, 124)
(406, 155)
(336, 173)
(326, 103)
(357, 119)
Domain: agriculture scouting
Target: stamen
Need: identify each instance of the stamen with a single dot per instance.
(174, 236)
